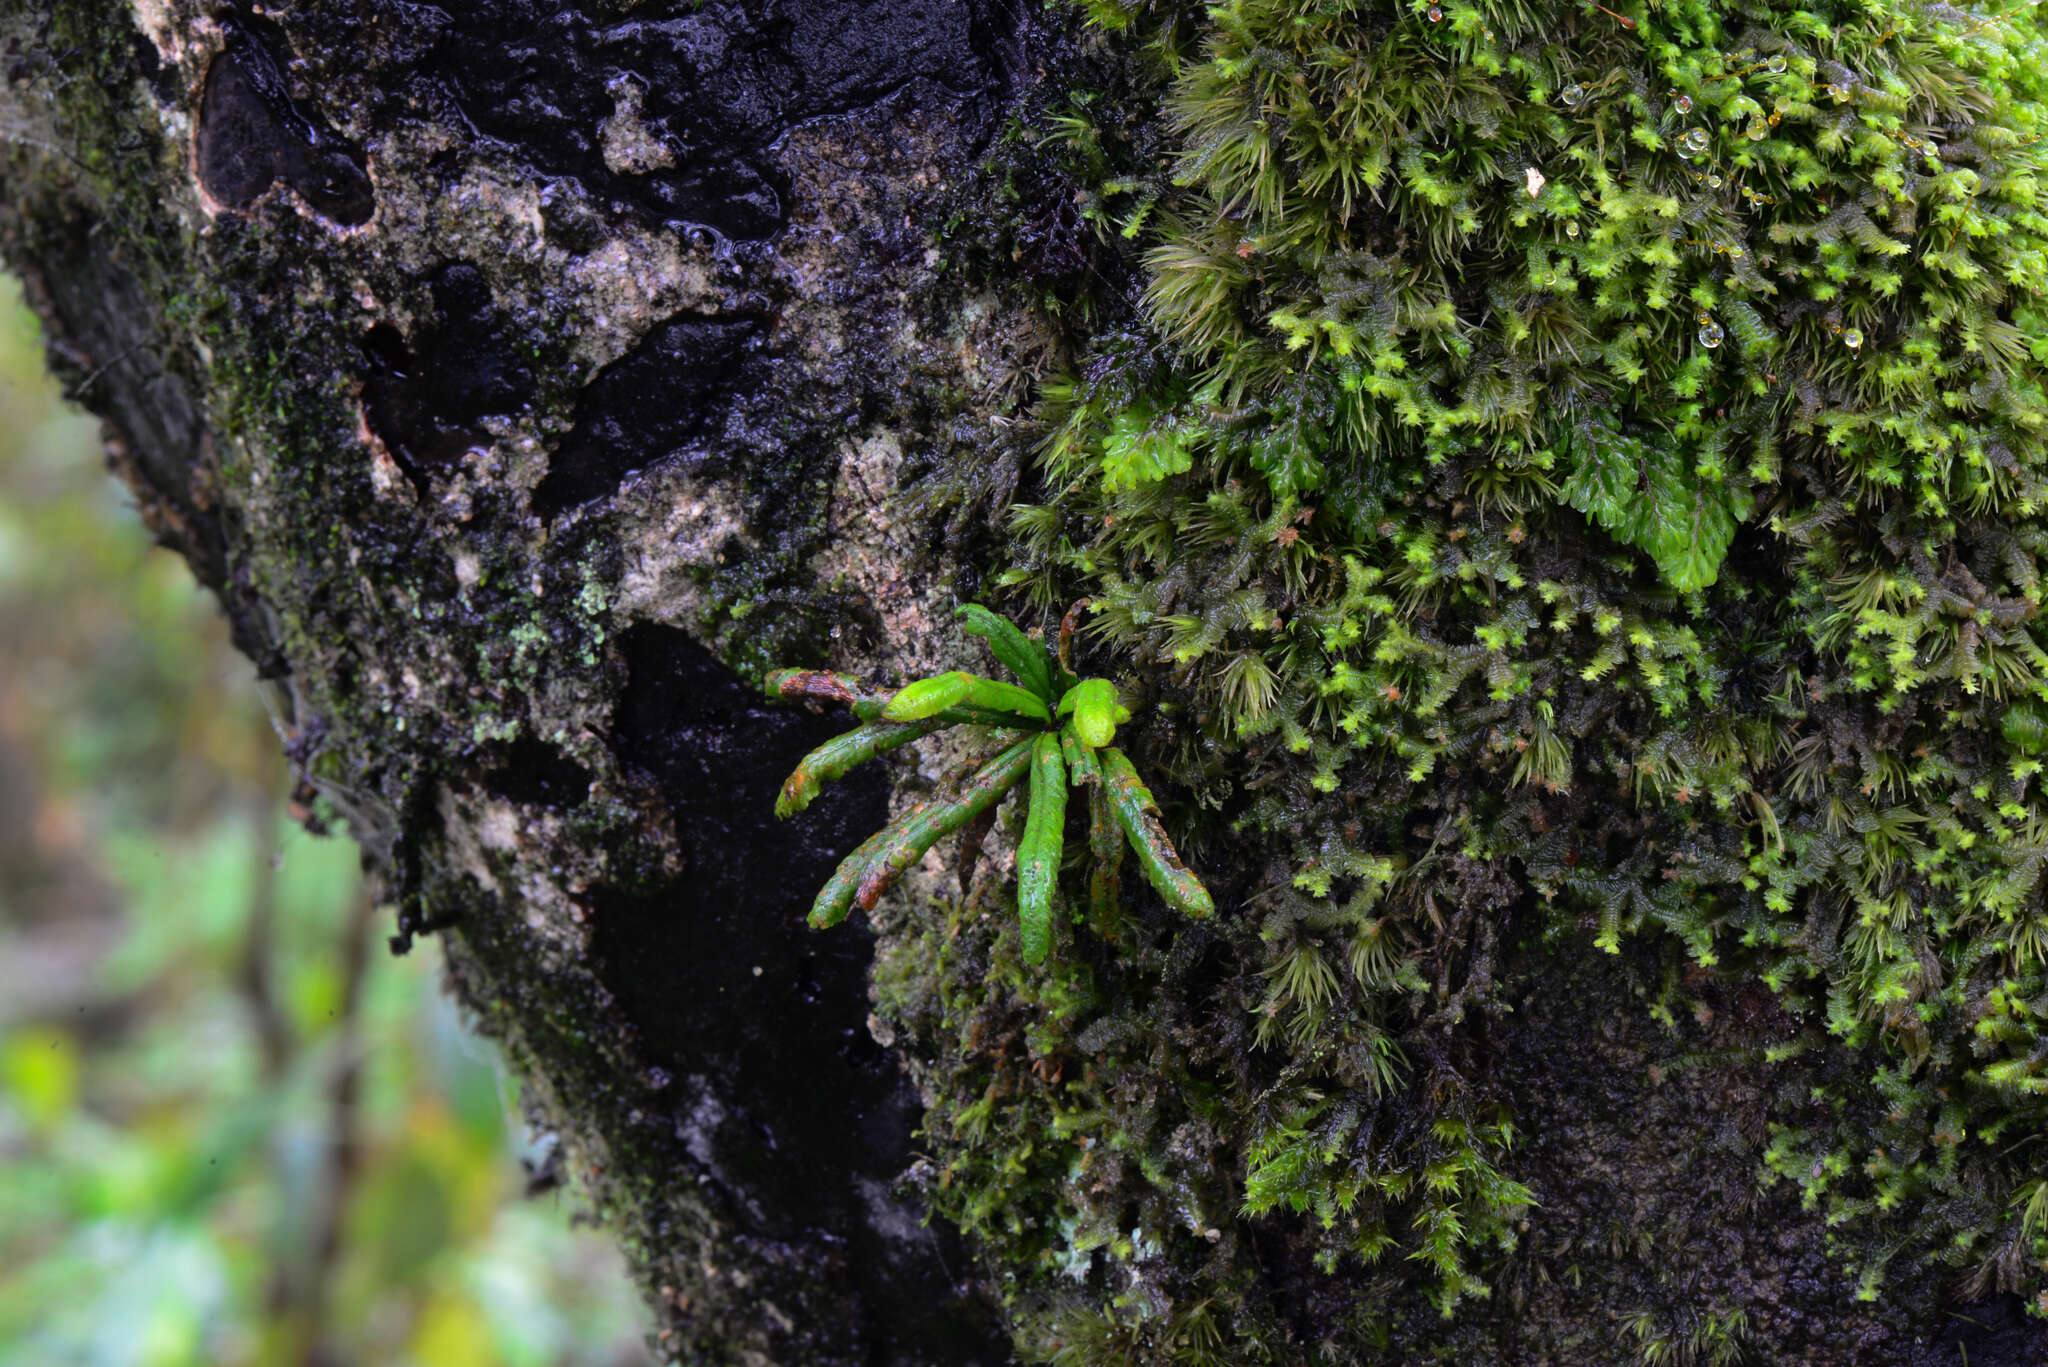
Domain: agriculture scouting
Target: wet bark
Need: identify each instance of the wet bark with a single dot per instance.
(511, 373)
(522, 378)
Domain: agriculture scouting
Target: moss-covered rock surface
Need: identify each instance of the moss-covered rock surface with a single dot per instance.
(1557, 486)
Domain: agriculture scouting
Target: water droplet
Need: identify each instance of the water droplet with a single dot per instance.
(1852, 338)
(1710, 334)
(1435, 15)
(1573, 96)
(1551, 278)
(1571, 228)
(1840, 90)
(1713, 182)
(1735, 253)
(1683, 104)
(1776, 64)
(1692, 142)
(1757, 129)
(1775, 118)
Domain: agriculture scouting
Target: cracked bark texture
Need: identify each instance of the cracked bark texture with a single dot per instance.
(519, 377)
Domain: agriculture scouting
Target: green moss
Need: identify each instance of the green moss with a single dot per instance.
(1577, 463)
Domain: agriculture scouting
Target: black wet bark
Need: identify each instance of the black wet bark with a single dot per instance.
(505, 371)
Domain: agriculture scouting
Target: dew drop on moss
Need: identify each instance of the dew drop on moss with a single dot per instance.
(1435, 14)
(1852, 338)
(1573, 96)
(1693, 142)
(1713, 182)
(1571, 228)
(1756, 130)
(1710, 334)
(1683, 104)
(1776, 64)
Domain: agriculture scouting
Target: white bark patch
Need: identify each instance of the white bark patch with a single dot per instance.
(674, 533)
(385, 475)
(486, 835)
(630, 146)
(871, 546)
(632, 283)
(491, 215)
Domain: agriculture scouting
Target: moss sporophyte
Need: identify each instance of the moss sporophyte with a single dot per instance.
(1050, 728)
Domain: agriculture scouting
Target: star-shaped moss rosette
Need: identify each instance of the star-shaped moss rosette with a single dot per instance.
(1050, 729)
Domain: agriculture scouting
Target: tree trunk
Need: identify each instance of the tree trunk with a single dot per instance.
(526, 380)
(506, 376)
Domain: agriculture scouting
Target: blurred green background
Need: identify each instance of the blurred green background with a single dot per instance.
(233, 1129)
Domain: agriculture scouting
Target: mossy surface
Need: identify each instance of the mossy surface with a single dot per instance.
(1570, 489)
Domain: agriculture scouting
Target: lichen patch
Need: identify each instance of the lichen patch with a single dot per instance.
(631, 147)
(677, 533)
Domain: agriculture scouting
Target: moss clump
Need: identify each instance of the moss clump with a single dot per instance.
(1578, 464)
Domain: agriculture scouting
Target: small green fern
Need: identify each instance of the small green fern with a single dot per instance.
(1050, 728)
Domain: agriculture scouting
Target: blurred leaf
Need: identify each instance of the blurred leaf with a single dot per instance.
(315, 997)
(452, 1332)
(404, 1217)
(187, 896)
(40, 1068)
(122, 1297)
